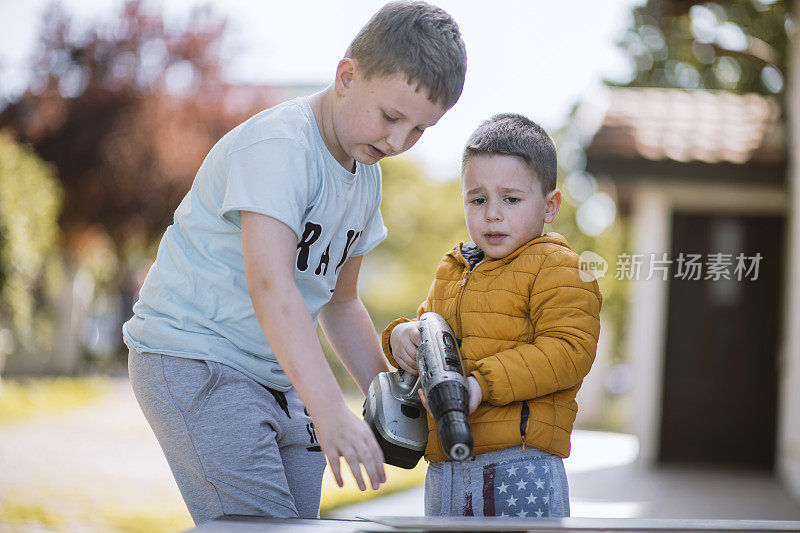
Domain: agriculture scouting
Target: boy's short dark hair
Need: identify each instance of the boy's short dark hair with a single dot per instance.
(418, 39)
(514, 134)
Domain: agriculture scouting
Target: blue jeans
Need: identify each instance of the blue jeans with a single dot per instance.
(504, 482)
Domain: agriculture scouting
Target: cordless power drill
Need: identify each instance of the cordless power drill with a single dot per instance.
(393, 409)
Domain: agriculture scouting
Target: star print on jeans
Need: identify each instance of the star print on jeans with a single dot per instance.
(517, 491)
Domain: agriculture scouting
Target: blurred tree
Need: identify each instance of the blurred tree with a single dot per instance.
(425, 219)
(581, 207)
(126, 112)
(736, 45)
(30, 201)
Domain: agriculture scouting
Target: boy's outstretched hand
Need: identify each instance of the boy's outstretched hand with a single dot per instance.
(343, 434)
(289, 329)
(404, 340)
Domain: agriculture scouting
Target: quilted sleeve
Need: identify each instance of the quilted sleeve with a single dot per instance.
(565, 317)
(387, 348)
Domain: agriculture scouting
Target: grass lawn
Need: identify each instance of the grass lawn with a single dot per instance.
(23, 399)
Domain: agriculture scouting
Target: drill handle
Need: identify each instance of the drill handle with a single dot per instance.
(408, 385)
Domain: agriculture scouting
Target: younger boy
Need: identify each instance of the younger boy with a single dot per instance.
(224, 357)
(527, 325)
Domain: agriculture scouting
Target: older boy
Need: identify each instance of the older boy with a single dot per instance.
(528, 328)
(224, 355)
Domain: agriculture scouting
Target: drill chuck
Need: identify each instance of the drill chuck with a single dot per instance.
(449, 407)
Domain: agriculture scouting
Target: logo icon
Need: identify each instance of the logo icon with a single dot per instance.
(592, 266)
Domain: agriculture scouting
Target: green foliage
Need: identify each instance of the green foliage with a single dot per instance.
(101, 107)
(146, 522)
(21, 400)
(30, 201)
(425, 219)
(736, 45)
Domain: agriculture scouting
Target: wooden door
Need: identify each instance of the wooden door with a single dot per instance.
(720, 382)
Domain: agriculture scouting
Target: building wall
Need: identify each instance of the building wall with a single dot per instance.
(647, 318)
(653, 206)
(789, 371)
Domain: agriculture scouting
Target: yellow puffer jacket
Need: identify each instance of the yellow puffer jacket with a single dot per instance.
(528, 327)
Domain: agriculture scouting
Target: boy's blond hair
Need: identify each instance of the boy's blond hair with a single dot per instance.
(421, 41)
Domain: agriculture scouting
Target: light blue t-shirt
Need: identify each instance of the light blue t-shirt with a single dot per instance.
(194, 302)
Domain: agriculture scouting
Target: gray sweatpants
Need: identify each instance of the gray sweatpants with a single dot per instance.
(234, 446)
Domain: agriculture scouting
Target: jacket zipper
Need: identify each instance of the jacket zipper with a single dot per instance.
(458, 305)
(525, 410)
(525, 413)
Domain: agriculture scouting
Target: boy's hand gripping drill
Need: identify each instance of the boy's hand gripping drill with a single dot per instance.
(445, 385)
(393, 409)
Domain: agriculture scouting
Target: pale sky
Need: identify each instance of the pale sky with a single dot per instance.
(535, 57)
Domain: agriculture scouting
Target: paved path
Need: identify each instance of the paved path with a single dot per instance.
(93, 466)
